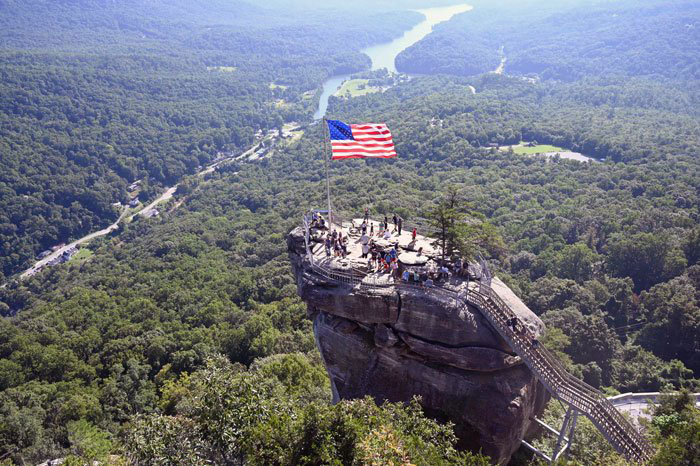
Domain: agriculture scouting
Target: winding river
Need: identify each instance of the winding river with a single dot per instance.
(384, 55)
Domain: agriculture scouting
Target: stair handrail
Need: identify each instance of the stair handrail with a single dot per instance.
(548, 369)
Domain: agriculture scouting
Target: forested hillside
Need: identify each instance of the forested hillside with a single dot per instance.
(622, 38)
(95, 96)
(182, 339)
(596, 249)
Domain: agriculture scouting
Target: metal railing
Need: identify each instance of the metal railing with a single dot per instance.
(621, 434)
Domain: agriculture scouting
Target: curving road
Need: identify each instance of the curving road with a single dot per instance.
(40, 264)
(167, 194)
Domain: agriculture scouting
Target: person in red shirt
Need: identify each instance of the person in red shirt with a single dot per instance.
(414, 233)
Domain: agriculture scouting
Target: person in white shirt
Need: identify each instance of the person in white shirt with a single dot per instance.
(444, 273)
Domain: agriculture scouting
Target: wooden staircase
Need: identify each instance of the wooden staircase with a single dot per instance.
(580, 396)
(621, 434)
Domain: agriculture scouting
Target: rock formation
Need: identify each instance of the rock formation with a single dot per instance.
(393, 344)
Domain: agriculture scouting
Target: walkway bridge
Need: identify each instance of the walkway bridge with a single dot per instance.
(576, 394)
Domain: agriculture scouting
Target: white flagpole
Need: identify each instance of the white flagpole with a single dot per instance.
(326, 157)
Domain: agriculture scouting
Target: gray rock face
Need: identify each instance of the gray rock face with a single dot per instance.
(394, 344)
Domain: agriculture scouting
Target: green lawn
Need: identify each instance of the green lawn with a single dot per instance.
(538, 149)
(356, 87)
(82, 254)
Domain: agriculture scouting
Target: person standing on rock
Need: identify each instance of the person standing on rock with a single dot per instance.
(414, 233)
(395, 268)
(344, 247)
(393, 253)
(328, 246)
(399, 224)
(395, 220)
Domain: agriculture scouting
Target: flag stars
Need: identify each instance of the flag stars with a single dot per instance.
(339, 131)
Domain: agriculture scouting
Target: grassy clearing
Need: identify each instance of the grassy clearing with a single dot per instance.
(356, 87)
(82, 254)
(223, 69)
(538, 149)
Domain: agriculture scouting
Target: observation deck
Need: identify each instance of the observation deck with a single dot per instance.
(512, 322)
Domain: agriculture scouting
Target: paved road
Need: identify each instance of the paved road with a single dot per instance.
(163, 197)
(41, 263)
(38, 265)
(636, 404)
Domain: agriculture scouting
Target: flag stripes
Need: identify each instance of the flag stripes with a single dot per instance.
(367, 140)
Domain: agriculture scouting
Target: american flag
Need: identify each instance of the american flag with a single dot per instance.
(360, 141)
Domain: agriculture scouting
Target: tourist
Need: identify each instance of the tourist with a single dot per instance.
(336, 248)
(394, 253)
(414, 233)
(406, 275)
(420, 251)
(458, 266)
(365, 250)
(394, 268)
(387, 234)
(364, 239)
(363, 227)
(335, 235)
(366, 214)
(371, 228)
(444, 273)
(328, 246)
(395, 219)
(429, 282)
(386, 222)
(400, 224)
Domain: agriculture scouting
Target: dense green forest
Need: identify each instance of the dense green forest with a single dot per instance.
(90, 104)
(629, 38)
(182, 339)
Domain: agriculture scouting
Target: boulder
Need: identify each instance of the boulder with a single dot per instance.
(396, 343)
